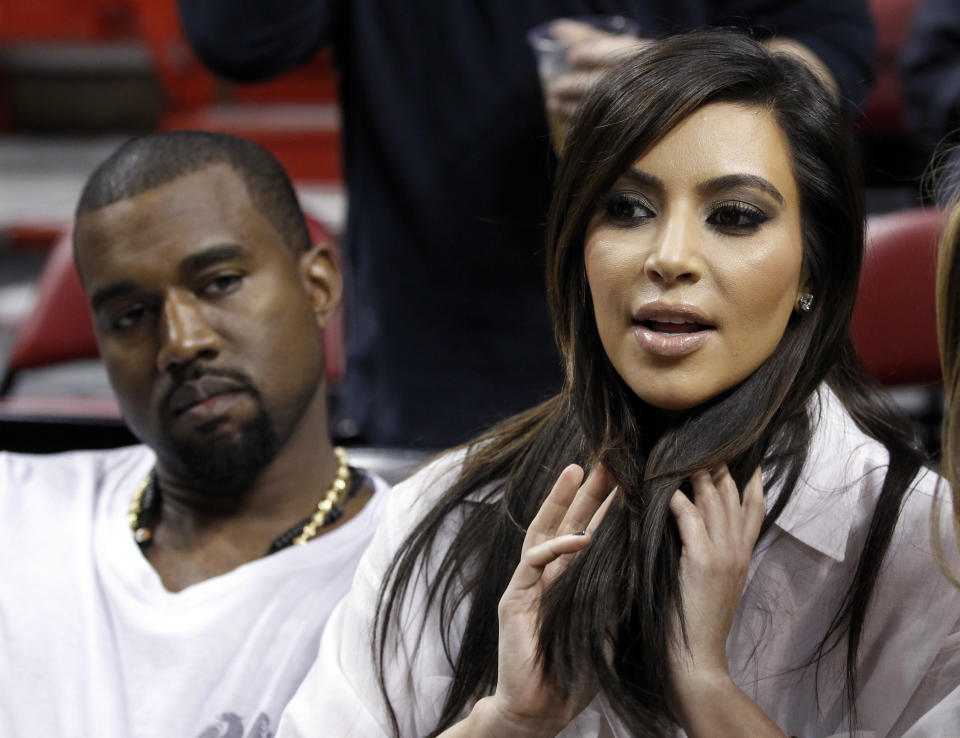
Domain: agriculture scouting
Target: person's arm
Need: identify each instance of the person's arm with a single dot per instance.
(253, 41)
(718, 533)
(834, 38)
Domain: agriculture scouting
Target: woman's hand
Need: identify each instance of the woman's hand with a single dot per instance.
(718, 533)
(525, 703)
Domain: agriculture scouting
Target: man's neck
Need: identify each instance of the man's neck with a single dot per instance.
(199, 535)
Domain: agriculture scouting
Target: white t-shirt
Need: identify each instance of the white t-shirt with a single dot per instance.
(909, 656)
(91, 644)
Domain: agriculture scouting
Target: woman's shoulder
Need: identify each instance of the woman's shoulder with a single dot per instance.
(843, 455)
(423, 488)
(417, 496)
(843, 480)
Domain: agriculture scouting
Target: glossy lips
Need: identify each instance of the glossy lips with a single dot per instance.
(197, 392)
(672, 330)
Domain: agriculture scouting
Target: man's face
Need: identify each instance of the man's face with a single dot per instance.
(207, 323)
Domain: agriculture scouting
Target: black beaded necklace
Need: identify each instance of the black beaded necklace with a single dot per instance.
(146, 507)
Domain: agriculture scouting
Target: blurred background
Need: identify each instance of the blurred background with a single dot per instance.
(77, 77)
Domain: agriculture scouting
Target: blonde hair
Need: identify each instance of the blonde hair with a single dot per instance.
(948, 334)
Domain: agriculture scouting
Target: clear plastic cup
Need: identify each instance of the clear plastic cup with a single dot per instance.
(552, 55)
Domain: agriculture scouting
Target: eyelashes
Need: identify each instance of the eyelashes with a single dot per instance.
(733, 217)
(736, 216)
(624, 209)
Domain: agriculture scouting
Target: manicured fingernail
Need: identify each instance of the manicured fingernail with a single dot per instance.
(580, 533)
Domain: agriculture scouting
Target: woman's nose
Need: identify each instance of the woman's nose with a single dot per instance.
(676, 252)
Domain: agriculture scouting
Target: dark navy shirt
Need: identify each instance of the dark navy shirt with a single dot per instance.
(448, 166)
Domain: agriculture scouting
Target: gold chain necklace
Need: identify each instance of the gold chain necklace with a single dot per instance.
(143, 534)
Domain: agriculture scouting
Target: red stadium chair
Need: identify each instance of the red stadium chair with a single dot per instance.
(894, 326)
(59, 327)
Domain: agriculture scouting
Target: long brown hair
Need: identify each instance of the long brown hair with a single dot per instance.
(616, 590)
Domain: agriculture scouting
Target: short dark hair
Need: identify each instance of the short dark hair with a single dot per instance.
(148, 161)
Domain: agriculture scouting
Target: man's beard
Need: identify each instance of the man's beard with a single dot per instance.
(225, 466)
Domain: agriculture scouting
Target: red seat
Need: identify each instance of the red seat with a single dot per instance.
(894, 326)
(59, 327)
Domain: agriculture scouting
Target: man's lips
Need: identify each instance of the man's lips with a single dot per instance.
(194, 392)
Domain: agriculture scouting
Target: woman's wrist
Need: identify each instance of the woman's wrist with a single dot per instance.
(707, 702)
(489, 718)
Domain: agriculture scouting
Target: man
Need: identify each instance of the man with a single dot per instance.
(161, 589)
(448, 169)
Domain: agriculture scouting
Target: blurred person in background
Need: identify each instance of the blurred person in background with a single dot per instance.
(448, 168)
(929, 68)
(180, 587)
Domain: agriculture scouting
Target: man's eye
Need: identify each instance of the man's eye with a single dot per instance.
(624, 208)
(128, 318)
(222, 284)
(737, 217)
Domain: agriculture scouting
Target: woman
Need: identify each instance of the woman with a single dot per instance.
(705, 245)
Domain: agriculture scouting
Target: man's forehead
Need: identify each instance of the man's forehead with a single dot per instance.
(208, 205)
(217, 190)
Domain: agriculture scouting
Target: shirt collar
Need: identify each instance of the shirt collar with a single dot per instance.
(824, 506)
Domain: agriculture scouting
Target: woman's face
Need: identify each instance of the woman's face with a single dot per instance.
(694, 257)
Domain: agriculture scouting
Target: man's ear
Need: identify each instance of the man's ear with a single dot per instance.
(323, 280)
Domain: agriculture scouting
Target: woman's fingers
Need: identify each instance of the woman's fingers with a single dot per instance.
(536, 558)
(562, 524)
(688, 518)
(717, 511)
(728, 493)
(710, 503)
(587, 501)
(555, 507)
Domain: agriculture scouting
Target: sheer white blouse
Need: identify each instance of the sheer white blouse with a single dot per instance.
(909, 668)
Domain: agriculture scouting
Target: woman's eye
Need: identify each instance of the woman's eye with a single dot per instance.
(621, 207)
(737, 217)
(222, 284)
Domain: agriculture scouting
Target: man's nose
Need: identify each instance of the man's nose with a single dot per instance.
(185, 333)
(677, 251)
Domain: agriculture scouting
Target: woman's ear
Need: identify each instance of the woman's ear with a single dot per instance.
(322, 279)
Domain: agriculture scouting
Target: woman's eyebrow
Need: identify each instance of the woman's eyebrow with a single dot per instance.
(646, 179)
(729, 181)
